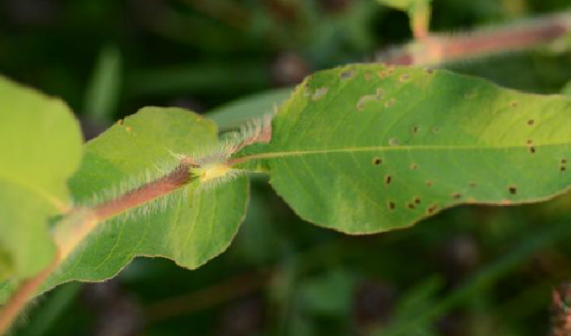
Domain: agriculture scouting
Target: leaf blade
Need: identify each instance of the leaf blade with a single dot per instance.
(369, 148)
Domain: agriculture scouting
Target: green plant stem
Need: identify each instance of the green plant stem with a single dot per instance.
(80, 222)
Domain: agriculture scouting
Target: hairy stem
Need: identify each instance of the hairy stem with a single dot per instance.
(24, 293)
(80, 222)
(445, 48)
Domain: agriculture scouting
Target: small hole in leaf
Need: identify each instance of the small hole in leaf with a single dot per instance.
(413, 166)
(391, 205)
(531, 122)
(388, 179)
(512, 190)
(377, 161)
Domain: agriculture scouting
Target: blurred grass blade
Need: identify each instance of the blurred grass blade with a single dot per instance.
(235, 113)
(102, 96)
(534, 242)
(52, 310)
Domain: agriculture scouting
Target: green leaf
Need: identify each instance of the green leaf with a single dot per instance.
(40, 148)
(419, 12)
(400, 4)
(188, 227)
(370, 148)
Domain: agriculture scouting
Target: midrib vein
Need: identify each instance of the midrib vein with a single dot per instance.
(272, 155)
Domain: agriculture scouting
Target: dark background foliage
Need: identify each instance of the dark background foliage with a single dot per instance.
(468, 271)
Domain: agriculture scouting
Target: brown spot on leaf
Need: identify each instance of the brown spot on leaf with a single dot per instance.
(532, 150)
(417, 200)
(530, 122)
(514, 103)
(388, 179)
(413, 166)
(391, 205)
(456, 195)
(393, 142)
(429, 71)
(512, 190)
(472, 185)
(390, 103)
(411, 206)
(404, 78)
(432, 209)
(429, 184)
(377, 161)
(415, 129)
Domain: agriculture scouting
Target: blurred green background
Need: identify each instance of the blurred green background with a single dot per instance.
(468, 271)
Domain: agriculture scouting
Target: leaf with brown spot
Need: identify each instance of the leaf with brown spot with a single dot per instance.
(321, 159)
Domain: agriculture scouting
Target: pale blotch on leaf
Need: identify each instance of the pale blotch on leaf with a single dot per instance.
(394, 142)
(390, 103)
(514, 103)
(456, 195)
(471, 95)
(377, 96)
(347, 74)
(320, 93)
(404, 78)
(413, 166)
